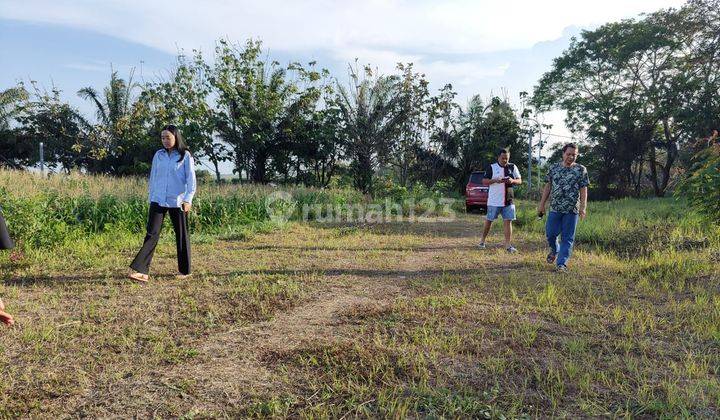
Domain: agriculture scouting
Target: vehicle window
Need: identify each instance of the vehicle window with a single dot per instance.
(476, 178)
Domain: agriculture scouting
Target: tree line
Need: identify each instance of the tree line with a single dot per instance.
(640, 92)
(273, 123)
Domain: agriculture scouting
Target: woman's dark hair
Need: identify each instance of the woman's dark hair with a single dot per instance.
(179, 141)
(503, 150)
(569, 146)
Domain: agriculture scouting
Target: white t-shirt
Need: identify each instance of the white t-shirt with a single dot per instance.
(500, 195)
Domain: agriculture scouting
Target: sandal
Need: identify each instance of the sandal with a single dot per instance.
(551, 257)
(142, 278)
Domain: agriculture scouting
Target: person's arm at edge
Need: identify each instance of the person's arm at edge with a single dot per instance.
(151, 181)
(546, 192)
(584, 183)
(544, 197)
(487, 179)
(518, 179)
(487, 182)
(190, 180)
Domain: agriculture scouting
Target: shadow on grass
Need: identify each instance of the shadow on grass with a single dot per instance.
(371, 274)
(65, 279)
(345, 248)
(462, 227)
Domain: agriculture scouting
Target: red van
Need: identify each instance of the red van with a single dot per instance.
(476, 194)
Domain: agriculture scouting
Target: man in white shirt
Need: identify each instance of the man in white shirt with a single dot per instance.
(500, 178)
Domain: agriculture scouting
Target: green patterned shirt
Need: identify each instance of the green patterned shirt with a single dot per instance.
(565, 186)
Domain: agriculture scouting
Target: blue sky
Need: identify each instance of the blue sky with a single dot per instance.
(479, 46)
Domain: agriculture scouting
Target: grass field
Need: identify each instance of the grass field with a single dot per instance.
(325, 320)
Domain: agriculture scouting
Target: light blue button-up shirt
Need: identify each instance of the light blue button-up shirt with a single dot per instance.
(172, 182)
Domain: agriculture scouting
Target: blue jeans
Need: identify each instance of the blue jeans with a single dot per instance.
(563, 225)
(507, 212)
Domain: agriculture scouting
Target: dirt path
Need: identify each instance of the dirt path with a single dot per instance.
(230, 367)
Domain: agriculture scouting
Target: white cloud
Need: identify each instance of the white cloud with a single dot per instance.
(384, 60)
(442, 37)
(460, 26)
(464, 75)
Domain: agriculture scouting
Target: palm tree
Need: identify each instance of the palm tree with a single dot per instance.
(471, 137)
(258, 102)
(12, 154)
(371, 113)
(9, 99)
(117, 99)
(115, 124)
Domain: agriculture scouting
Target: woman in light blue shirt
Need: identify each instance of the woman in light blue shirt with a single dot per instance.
(171, 190)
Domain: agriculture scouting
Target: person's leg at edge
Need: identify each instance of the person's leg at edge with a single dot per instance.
(552, 230)
(490, 216)
(568, 226)
(156, 215)
(182, 239)
(486, 230)
(508, 214)
(5, 317)
(5, 243)
(507, 225)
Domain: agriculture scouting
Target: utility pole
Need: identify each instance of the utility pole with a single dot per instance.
(42, 158)
(540, 144)
(530, 161)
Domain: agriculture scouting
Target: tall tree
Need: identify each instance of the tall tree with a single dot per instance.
(586, 82)
(650, 52)
(371, 113)
(258, 103)
(185, 100)
(320, 143)
(45, 117)
(437, 160)
(470, 138)
(118, 141)
(300, 121)
(15, 150)
(414, 103)
(700, 111)
(702, 185)
(641, 90)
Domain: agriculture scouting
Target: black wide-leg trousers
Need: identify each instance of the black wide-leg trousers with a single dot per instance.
(5, 241)
(156, 216)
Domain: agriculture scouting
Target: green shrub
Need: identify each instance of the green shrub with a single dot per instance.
(702, 185)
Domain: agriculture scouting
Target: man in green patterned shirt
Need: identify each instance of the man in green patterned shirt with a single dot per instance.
(566, 185)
